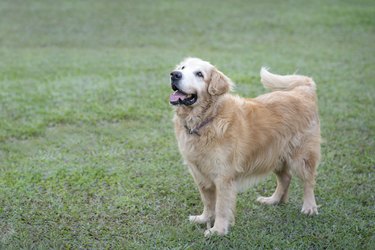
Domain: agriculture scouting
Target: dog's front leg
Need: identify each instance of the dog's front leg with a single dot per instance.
(208, 198)
(225, 207)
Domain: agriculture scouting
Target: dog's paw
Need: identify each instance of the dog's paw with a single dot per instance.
(213, 231)
(309, 209)
(268, 200)
(208, 233)
(218, 231)
(200, 219)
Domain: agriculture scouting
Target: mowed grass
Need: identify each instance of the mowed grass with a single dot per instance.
(88, 157)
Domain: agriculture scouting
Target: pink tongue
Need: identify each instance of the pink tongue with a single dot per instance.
(177, 95)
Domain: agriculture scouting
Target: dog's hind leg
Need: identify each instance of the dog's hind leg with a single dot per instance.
(309, 206)
(281, 193)
(305, 169)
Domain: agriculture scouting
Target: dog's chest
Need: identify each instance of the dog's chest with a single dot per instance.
(192, 145)
(202, 152)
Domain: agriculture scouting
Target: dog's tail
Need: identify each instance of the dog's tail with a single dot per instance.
(287, 82)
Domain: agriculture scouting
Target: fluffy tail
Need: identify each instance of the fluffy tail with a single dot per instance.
(287, 82)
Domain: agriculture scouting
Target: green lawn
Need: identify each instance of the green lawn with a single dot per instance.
(88, 157)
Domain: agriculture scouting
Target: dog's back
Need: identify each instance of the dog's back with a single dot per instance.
(293, 100)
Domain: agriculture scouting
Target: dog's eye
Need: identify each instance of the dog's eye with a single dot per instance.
(199, 74)
(182, 67)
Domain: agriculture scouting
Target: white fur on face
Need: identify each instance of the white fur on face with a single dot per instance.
(191, 82)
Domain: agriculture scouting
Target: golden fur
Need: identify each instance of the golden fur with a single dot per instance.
(243, 140)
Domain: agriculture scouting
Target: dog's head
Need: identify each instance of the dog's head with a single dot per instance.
(194, 79)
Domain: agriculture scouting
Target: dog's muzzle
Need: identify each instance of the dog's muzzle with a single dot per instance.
(179, 97)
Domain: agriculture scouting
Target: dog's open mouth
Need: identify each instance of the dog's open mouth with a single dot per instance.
(180, 98)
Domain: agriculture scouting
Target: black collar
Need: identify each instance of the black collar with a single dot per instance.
(197, 128)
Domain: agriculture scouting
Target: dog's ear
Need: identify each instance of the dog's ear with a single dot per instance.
(219, 83)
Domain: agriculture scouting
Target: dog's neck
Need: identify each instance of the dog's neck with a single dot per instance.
(197, 117)
(196, 130)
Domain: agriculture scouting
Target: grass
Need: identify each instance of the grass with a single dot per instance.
(88, 157)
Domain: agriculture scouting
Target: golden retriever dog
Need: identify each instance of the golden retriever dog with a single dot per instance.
(229, 142)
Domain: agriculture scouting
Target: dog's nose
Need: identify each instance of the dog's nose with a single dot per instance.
(176, 75)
